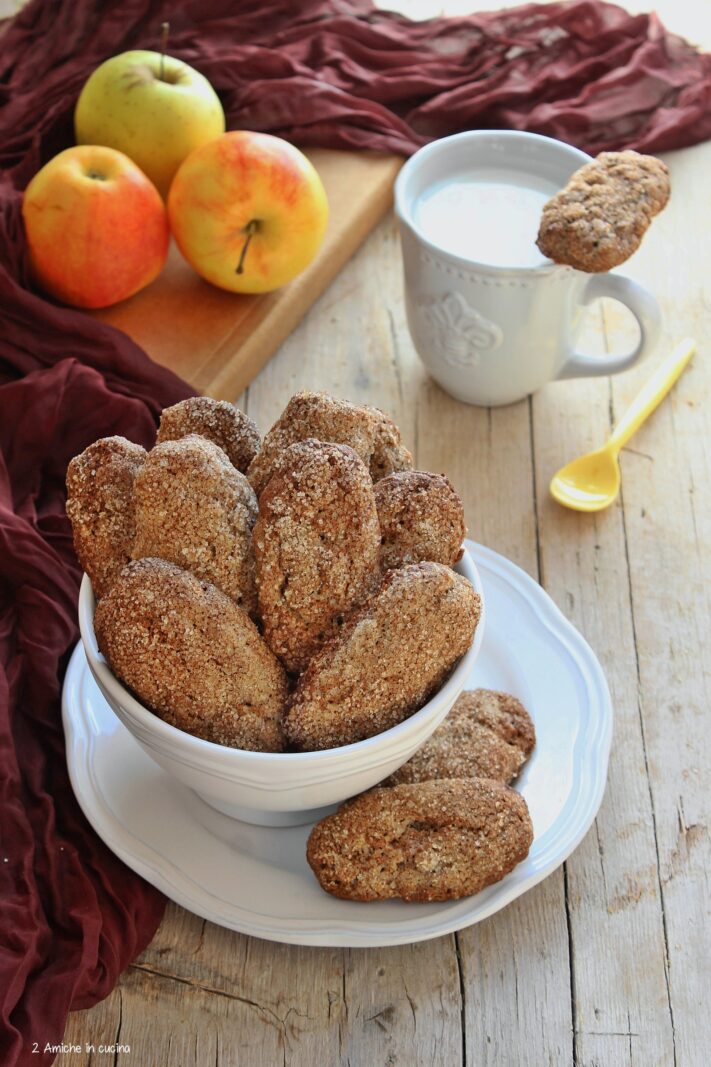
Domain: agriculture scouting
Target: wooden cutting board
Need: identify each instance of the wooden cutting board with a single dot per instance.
(219, 341)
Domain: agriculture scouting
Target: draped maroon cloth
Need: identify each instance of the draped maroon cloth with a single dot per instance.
(320, 72)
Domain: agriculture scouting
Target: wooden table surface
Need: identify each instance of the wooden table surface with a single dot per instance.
(606, 962)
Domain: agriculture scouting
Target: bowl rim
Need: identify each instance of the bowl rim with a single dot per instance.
(173, 736)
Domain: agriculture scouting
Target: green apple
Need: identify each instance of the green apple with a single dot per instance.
(156, 109)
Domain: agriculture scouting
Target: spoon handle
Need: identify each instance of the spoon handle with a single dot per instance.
(652, 392)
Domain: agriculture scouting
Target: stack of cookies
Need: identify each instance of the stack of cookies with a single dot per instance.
(291, 593)
(446, 824)
(298, 593)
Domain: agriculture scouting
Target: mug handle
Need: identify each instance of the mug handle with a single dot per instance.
(644, 308)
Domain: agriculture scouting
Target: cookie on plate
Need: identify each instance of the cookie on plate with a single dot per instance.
(192, 656)
(219, 421)
(599, 219)
(387, 659)
(421, 517)
(485, 735)
(429, 841)
(316, 546)
(194, 509)
(100, 506)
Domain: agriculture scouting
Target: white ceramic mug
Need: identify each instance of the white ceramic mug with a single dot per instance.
(492, 335)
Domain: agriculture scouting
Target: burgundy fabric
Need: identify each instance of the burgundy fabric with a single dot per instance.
(321, 72)
(338, 73)
(72, 916)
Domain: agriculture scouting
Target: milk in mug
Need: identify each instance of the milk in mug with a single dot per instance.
(488, 217)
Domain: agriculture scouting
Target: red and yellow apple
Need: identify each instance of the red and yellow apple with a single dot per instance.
(248, 211)
(154, 108)
(97, 229)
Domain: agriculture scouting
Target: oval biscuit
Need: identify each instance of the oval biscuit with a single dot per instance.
(100, 506)
(195, 510)
(316, 547)
(485, 735)
(387, 660)
(221, 422)
(192, 656)
(424, 842)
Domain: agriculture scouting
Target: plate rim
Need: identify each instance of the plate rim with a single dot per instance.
(177, 885)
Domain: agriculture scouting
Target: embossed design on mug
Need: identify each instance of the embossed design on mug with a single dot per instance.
(459, 331)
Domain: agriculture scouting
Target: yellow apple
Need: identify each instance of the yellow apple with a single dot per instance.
(96, 227)
(154, 108)
(248, 211)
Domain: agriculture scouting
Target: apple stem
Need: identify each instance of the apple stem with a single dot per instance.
(164, 31)
(250, 229)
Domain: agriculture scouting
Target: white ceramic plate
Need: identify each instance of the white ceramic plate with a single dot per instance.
(256, 880)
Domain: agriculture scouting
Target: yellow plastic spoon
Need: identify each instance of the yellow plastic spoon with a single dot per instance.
(592, 482)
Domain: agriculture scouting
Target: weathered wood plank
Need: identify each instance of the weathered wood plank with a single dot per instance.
(98, 1026)
(201, 994)
(487, 455)
(616, 927)
(667, 512)
(402, 1006)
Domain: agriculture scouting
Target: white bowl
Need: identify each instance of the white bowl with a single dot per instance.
(275, 788)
